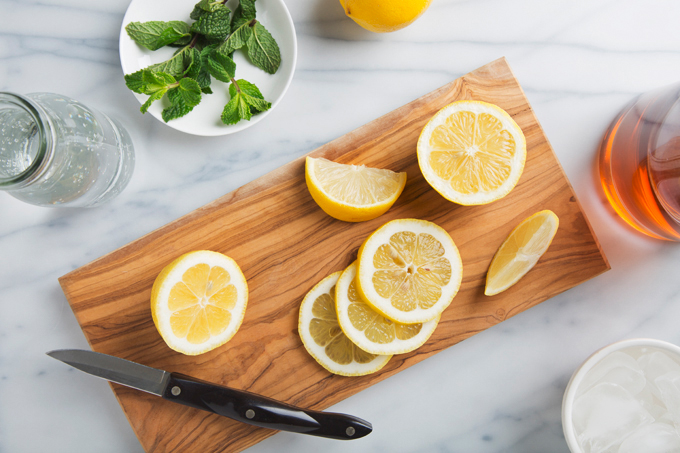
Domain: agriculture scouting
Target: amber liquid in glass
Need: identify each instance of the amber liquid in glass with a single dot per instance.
(639, 164)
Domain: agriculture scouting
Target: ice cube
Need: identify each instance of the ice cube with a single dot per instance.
(605, 415)
(655, 364)
(616, 368)
(654, 438)
(669, 389)
(650, 402)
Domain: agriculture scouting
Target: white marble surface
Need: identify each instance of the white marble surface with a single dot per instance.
(579, 62)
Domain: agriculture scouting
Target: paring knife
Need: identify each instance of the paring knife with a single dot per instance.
(239, 405)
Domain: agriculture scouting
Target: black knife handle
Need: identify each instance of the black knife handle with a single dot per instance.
(261, 411)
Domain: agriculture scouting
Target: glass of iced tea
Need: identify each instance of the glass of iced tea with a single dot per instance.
(639, 163)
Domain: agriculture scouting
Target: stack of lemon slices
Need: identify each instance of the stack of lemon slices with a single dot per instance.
(408, 271)
(388, 302)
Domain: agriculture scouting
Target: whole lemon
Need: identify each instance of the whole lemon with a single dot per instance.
(382, 16)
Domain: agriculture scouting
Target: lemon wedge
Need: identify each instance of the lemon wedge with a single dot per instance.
(323, 338)
(409, 270)
(383, 16)
(472, 152)
(368, 329)
(353, 193)
(198, 301)
(521, 251)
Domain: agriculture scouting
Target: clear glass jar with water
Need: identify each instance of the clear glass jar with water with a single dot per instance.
(54, 151)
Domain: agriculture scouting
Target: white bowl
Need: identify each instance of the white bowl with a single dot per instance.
(204, 119)
(579, 374)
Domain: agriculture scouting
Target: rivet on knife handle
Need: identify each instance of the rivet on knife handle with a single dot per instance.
(261, 411)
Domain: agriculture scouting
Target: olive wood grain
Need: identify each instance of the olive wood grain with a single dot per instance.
(285, 244)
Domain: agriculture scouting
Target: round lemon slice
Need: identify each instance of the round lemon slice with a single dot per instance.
(409, 270)
(521, 251)
(323, 338)
(368, 329)
(353, 193)
(198, 301)
(472, 152)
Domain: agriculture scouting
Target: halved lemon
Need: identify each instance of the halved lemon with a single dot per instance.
(409, 270)
(521, 251)
(323, 338)
(368, 329)
(198, 301)
(472, 152)
(353, 193)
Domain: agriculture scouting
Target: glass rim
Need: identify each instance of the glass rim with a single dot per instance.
(40, 120)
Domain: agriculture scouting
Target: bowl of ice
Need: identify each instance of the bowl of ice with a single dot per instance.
(625, 398)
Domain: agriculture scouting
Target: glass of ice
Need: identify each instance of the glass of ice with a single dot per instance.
(625, 398)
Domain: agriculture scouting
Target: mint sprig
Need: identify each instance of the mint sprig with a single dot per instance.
(205, 52)
(246, 101)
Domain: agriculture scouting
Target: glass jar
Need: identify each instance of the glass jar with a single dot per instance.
(54, 151)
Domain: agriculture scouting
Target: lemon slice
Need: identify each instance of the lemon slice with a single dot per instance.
(472, 152)
(409, 270)
(325, 341)
(368, 329)
(353, 193)
(198, 301)
(521, 251)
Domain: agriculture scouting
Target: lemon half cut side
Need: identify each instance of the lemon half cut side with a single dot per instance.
(352, 193)
(520, 252)
(198, 301)
(472, 152)
(325, 341)
(409, 270)
(368, 329)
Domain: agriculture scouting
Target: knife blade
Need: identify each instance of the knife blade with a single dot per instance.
(238, 405)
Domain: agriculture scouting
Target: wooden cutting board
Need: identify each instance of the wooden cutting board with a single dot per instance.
(285, 244)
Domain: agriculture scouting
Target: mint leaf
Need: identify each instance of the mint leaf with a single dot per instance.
(153, 98)
(155, 81)
(151, 83)
(236, 110)
(146, 82)
(192, 59)
(155, 34)
(205, 5)
(246, 101)
(175, 111)
(188, 92)
(198, 69)
(213, 25)
(177, 65)
(244, 12)
(263, 50)
(221, 66)
(183, 99)
(134, 81)
(252, 95)
(237, 39)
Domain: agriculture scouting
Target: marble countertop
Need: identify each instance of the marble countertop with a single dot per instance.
(579, 62)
